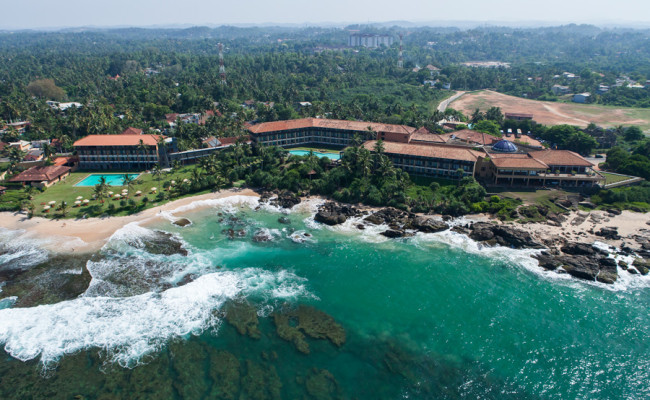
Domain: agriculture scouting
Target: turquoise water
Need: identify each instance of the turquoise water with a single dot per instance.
(433, 316)
(331, 156)
(111, 179)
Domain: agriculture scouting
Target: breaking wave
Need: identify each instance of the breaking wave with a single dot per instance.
(131, 327)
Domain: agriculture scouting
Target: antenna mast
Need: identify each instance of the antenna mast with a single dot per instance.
(400, 59)
(222, 68)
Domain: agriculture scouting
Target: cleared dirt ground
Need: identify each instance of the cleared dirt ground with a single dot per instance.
(551, 113)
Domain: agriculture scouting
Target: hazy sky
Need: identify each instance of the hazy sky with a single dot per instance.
(68, 13)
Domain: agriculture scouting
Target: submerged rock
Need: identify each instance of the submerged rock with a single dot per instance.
(159, 242)
(57, 279)
(284, 220)
(243, 317)
(182, 222)
(293, 325)
(261, 382)
(321, 385)
(262, 235)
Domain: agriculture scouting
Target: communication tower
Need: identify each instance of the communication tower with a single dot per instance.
(222, 68)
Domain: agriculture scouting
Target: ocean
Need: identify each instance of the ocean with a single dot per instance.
(253, 302)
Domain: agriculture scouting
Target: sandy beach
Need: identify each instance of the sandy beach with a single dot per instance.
(581, 226)
(89, 235)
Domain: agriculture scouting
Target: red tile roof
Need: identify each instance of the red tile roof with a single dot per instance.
(132, 131)
(429, 151)
(470, 136)
(41, 174)
(118, 140)
(171, 118)
(423, 135)
(330, 123)
(523, 161)
(232, 140)
(64, 160)
(561, 157)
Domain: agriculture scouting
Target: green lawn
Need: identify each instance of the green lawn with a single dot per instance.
(66, 191)
(612, 178)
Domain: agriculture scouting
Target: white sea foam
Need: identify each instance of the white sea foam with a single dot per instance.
(18, 250)
(129, 328)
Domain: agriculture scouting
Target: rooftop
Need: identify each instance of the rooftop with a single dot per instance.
(470, 136)
(429, 151)
(118, 140)
(523, 161)
(132, 131)
(561, 157)
(41, 174)
(329, 123)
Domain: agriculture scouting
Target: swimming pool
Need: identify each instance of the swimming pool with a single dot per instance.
(111, 179)
(331, 156)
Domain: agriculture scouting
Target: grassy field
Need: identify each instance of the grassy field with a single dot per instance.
(612, 178)
(68, 192)
(555, 113)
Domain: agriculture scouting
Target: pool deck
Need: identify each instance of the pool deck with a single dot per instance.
(108, 182)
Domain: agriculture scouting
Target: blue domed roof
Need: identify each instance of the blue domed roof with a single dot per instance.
(505, 146)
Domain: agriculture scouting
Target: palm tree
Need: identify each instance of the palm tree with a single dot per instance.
(143, 148)
(127, 180)
(101, 190)
(30, 190)
(47, 151)
(157, 172)
(63, 208)
(162, 149)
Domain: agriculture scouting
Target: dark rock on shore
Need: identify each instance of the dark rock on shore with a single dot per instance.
(332, 213)
(286, 199)
(393, 233)
(429, 225)
(581, 261)
(503, 235)
(610, 233)
(182, 222)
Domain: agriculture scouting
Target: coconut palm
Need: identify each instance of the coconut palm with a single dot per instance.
(63, 208)
(128, 181)
(101, 190)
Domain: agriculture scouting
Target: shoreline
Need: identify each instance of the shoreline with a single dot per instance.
(90, 235)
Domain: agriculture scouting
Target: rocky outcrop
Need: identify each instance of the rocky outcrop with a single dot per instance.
(243, 317)
(182, 222)
(332, 213)
(286, 199)
(503, 235)
(581, 261)
(610, 233)
(429, 225)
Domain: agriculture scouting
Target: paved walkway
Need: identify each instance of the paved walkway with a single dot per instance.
(445, 103)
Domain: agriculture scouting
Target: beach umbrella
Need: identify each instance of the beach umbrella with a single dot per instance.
(153, 189)
(77, 202)
(86, 201)
(185, 180)
(173, 182)
(46, 208)
(110, 193)
(79, 197)
(117, 196)
(138, 193)
(52, 202)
